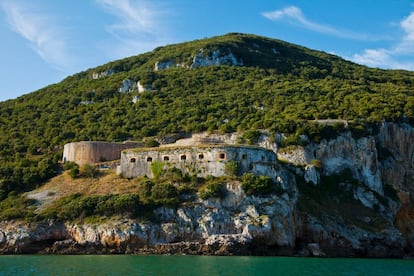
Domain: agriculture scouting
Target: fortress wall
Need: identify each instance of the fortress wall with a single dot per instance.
(90, 152)
(201, 161)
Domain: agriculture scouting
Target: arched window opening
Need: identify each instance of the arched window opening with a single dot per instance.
(166, 158)
(201, 156)
(133, 160)
(183, 157)
(222, 155)
(149, 159)
(244, 156)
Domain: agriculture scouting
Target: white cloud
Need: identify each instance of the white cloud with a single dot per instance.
(376, 58)
(43, 35)
(138, 25)
(408, 26)
(406, 45)
(397, 57)
(295, 16)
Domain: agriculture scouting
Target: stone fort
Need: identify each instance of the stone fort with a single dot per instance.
(91, 152)
(201, 160)
(201, 157)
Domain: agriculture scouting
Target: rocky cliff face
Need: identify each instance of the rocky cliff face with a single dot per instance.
(236, 224)
(235, 220)
(201, 59)
(385, 158)
(335, 200)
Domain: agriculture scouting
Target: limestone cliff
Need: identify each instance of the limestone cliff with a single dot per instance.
(336, 199)
(236, 224)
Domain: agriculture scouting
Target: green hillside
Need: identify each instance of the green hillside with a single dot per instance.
(275, 85)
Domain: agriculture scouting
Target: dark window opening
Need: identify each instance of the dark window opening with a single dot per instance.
(222, 156)
(133, 160)
(183, 157)
(263, 158)
(201, 156)
(166, 158)
(149, 159)
(244, 156)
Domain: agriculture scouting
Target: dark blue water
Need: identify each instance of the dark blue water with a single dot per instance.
(198, 265)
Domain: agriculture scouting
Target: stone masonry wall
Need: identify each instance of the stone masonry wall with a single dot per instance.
(198, 160)
(90, 152)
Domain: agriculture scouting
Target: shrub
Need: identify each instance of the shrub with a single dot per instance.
(74, 172)
(145, 189)
(257, 184)
(16, 207)
(213, 189)
(231, 168)
(250, 137)
(77, 206)
(317, 163)
(89, 170)
(157, 169)
(174, 174)
(152, 143)
(164, 194)
(69, 165)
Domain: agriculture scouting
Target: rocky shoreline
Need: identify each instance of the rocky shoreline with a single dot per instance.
(70, 247)
(127, 237)
(356, 216)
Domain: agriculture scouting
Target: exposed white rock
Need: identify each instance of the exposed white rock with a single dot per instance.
(98, 75)
(367, 198)
(216, 58)
(135, 99)
(2, 237)
(161, 65)
(315, 250)
(127, 86)
(165, 64)
(296, 155)
(311, 174)
(228, 240)
(358, 155)
(141, 88)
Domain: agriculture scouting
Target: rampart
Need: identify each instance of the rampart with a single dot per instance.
(90, 152)
(200, 160)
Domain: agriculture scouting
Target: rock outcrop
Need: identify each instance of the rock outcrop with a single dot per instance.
(202, 58)
(358, 215)
(235, 225)
(235, 221)
(217, 57)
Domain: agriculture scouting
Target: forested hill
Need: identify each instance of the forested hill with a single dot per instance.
(228, 83)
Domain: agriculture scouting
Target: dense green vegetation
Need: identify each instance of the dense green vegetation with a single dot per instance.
(77, 206)
(257, 184)
(281, 87)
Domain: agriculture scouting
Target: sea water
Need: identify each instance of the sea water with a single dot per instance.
(198, 265)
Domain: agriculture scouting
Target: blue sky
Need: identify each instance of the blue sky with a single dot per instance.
(44, 41)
